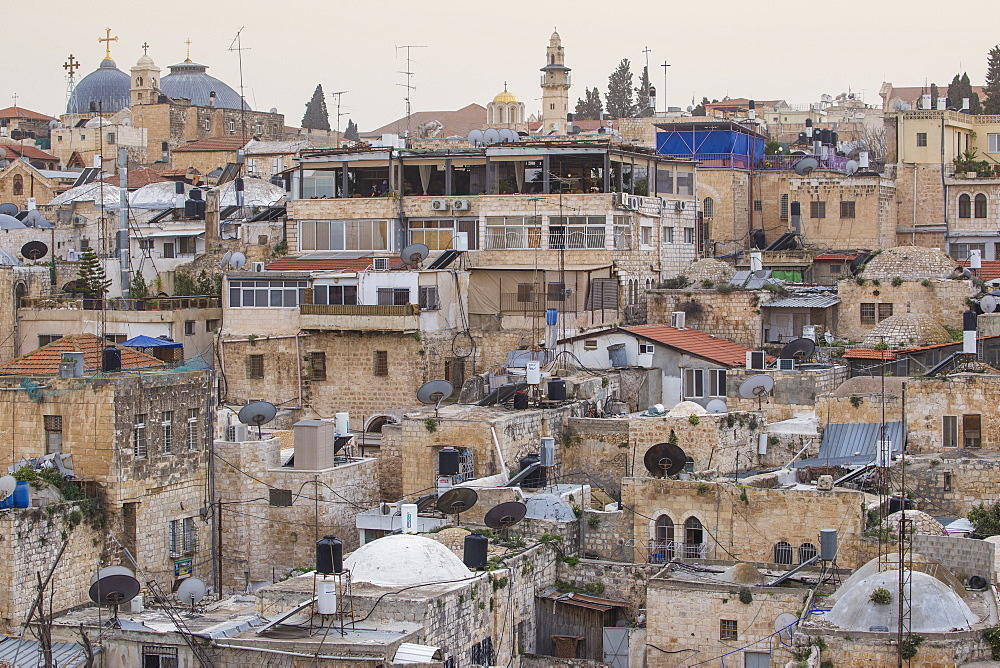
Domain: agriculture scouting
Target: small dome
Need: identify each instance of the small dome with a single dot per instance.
(145, 61)
(106, 89)
(8, 222)
(912, 262)
(8, 259)
(920, 522)
(97, 122)
(91, 192)
(256, 192)
(742, 574)
(504, 97)
(555, 39)
(709, 269)
(403, 559)
(915, 560)
(934, 607)
(160, 195)
(685, 409)
(189, 81)
(906, 330)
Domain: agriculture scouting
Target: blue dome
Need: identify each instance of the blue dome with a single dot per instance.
(106, 88)
(189, 81)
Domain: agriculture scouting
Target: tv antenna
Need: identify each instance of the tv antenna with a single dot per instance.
(257, 413)
(237, 46)
(339, 93)
(665, 65)
(756, 387)
(409, 80)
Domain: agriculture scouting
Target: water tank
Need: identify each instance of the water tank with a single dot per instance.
(326, 597)
(896, 503)
(533, 372)
(557, 389)
(828, 544)
(343, 422)
(22, 497)
(520, 400)
(548, 453)
(448, 461)
(329, 555)
(111, 359)
(551, 316)
(537, 478)
(476, 551)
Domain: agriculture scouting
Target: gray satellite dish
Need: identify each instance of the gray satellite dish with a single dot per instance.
(414, 254)
(716, 406)
(476, 138)
(434, 392)
(988, 304)
(7, 485)
(806, 166)
(784, 626)
(491, 136)
(225, 259)
(191, 591)
(851, 167)
(8, 209)
(756, 387)
(238, 260)
(8, 222)
(113, 586)
(257, 413)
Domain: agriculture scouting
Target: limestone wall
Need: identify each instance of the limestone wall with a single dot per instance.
(951, 483)
(964, 556)
(862, 650)
(734, 316)
(944, 300)
(928, 399)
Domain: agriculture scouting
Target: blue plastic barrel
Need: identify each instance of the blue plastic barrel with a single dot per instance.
(551, 316)
(22, 499)
(5, 502)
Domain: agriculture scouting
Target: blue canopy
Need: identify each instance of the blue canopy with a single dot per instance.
(143, 341)
(712, 144)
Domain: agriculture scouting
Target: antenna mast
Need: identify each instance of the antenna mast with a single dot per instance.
(409, 81)
(237, 46)
(339, 93)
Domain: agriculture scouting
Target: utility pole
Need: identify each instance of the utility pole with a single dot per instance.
(665, 65)
(409, 80)
(339, 93)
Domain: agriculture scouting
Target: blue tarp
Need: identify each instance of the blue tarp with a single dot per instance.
(701, 143)
(143, 341)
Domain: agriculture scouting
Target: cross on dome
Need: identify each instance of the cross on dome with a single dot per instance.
(107, 39)
(71, 65)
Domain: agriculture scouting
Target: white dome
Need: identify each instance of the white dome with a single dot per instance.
(403, 560)
(686, 408)
(256, 192)
(158, 195)
(98, 122)
(90, 192)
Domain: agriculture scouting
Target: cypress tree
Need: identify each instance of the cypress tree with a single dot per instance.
(992, 105)
(316, 116)
(92, 279)
(351, 132)
(619, 95)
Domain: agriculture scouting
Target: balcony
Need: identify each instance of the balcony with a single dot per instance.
(359, 317)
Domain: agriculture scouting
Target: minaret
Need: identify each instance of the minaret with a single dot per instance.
(555, 88)
(145, 79)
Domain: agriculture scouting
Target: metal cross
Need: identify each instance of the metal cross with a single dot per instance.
(145, 47)
(71, 65)
(108, 39)
(188, 42)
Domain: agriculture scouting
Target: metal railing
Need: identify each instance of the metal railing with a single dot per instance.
(513, 238)
(661, 552)
(117, 304)
(359, 309)
(576, 239)
(836, 163)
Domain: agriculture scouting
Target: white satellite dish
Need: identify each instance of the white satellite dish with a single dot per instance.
(238, 260)
(756, 386)
(191, 591)
(851, 167)
(716, 406)
(225, 259)
(806, 166)
(988, 304)
(7, 485)
(476, 138)
(491, 136)
(784, 626)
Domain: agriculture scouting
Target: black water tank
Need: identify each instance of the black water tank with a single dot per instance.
(557, 389)
(111, 359)
(476, 551)
(329, 556)
(448, 461)
(520, 400)
(537, 478)
(896, 503)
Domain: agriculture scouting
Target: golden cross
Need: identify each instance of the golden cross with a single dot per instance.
(108, 39)
(188, 42)
(145, 48)
(71, 65)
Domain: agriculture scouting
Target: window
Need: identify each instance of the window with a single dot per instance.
(255, 366)
(835, 268)
(344, 235)
(187, 246)
(689, 235)
(154, 656)
(727, 629)
(623, 233)
(46, 339)
(664, 548)
(281, 498)
(212, 325)
(993, 143)
(576, 232)
(341, 295)
(139, 436)
(946, 482)
(964, 206)
(868, 314)
(266, 294)
(111, 138)
(513, 232)
(646, 349)
(189, 327)
(708, 207)
(116, 338)
(380, 363)
(208, 124)
(817, 209)
(435, 234)
(192, 435)
(806, 552)
(555, 291)
(694, 538)
(590, 344)
(53, 434)
(758, 205)
(783, 207)
(783, 553)
(526, 293)
(962, 251)
(481, 653)
(685, 183)
(167, 428)
(884, 311)
(183, 538)
(921, 139)
(393, 296)
(145, 244)
(232, 126)
(317, 364)
(429, 298)
(980, 206)
(847, 209)
(694, 383)
(971, 431)
(664, 181)
(18, 184)
(717, 382)
(668, 235)
(949, 431)
(646, 236)
(603, 295)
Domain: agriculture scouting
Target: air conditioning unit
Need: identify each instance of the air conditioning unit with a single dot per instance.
(756, 359)
(439, 204)
(460, 205)
(634, 202)
(256, 266)
(79, 221)
(677, 319)
(646, 348)
(237, 433)
(786, 364)
(380, 263)
(620, 199)
(72, 255)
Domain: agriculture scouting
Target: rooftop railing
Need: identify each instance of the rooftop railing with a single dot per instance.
(118, 304)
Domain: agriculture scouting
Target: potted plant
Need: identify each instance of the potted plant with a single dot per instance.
(966, 165)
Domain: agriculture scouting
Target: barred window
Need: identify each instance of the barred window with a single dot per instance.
(167, 426)
(429, 298)
(847, 209)
(884, 311)
(139, 436)
(868, 314)
(728, 629)
(255, 366)
(156, 656)
(782, 553)
(783, 207)
(53, 434)
(380, 363)
(317, 362)
(817, 209)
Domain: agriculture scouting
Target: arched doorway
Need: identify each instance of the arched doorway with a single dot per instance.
(663, 548)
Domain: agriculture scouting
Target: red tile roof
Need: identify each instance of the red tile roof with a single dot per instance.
(45, 360)
(26, 151)
(137, 178)
(328, 264)
(21, 112)
(990, 270)
(694, 342)
(942, 345)
(227, 143)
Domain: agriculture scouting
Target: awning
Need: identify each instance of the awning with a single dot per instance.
(853, 444)
(28, 653)
(143, 341)
(531, 267)
(174, 233)
(585, 601)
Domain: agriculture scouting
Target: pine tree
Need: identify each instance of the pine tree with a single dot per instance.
(590, 108)
(643, 103)
(351, 132)
(935, 94)
(619, 95)
(92, 280)
(992, 105)
(975, 105)
(138, 288)
(316, 116)
(702, 108)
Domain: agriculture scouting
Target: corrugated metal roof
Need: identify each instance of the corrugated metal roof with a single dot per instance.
(409, 652)
(804, 301)
(853, 444)
(585, 601)
(869, 354)
(28, 653)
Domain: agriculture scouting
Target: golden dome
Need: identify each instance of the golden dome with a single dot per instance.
(505, 96)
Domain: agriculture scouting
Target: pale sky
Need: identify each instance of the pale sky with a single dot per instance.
(791, 50)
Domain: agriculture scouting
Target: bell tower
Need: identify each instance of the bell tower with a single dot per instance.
(145, 80)
(555, 88)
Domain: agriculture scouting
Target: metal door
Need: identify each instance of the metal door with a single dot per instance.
(616, 646)
(757, 659)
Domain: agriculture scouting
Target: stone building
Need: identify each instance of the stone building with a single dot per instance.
(77, 143)
(17, 282)
(506, 111)
(555, 88)
(17, 122)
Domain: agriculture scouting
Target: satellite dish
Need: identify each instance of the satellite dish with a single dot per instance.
(34, 250)
(851, 167)
(505, 515)
(784, 626)
(716, 406)
(7, 485)
(664, 459)
(226, 259)
(257, 413)
(113, 586)
(238, 260)
(457, 500)
(191, 591)
(806, 166)
(962, 272)
(476, 138)
(414, 254)
(434, 391)
(859, 262)
(988, 304)
(9, 209)
(491, 136)
(798, 349)
(755, 387)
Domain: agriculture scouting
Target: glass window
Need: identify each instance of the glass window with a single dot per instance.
(273, 293)
(366, 235)
(921, 139)
(139, 436)
(964, 206)
(513, 232)
(980, 206)
(685, 183)
(847, 209)
(694, 383)
(728, 629)
(717, 383)
(167, 429)
(694, 538)
(782, 553)
(806, 552)
(428, 298)
(949, 431)
(192, 430)
(817, 209)
(576, 232)
(435, 234)
(623, 233)
(689, 235)
(393, 296)
(868, 314)
(664, 181)
(972, 431)
(993, 141)
(708, 207)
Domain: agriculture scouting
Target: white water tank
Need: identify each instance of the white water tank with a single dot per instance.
(326, 597)
(533, 372)
(343, 424)
(462, 241)
(547, 452)
(409, 517)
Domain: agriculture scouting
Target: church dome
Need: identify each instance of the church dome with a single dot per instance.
(403, 559)
(909, 262)
(504, 97)
(189, 81)
(145, 61)
(105, 89)
(906, 330)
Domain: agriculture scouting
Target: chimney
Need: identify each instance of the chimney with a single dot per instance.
(212, 241)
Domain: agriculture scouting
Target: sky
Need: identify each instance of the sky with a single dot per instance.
(793, 51)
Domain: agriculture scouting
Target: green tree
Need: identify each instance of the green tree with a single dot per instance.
(701, 109)
(138, 288)
(619, 95)
(961, 87)
(935, 93)
(992, 105)
(184, 284)
(92, 280)
(986, 519)
(316, 116)
(590, 108)
(643, 104)
(351, 132)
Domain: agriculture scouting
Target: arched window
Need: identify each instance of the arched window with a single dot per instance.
(663, 540)
(783, 553)
(964, 206)
(694, 538)
(20, 292)
(980, 208)
(18, 184)
(499, 114)
(708, 206)
(138, 81)
(806, 552)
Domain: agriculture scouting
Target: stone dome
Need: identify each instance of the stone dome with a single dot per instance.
(686, 408)
(91, 192)
(106, 89)
(743, 574)
(934, 607)
(907, 330)
(97, 122)
(912, 262)
(145, 61)
(505, 96)
(919, 562)
(400, 560)
(256, 192)
(188, 80)
(709, 269)
(920, 522)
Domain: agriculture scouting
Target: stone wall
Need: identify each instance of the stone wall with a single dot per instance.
(734, 316)
(928, 399)
(944, 300)
(953, 482)
(622, 581)
(965, 557)
(608, 535)
(852, 649)
(33, 281)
